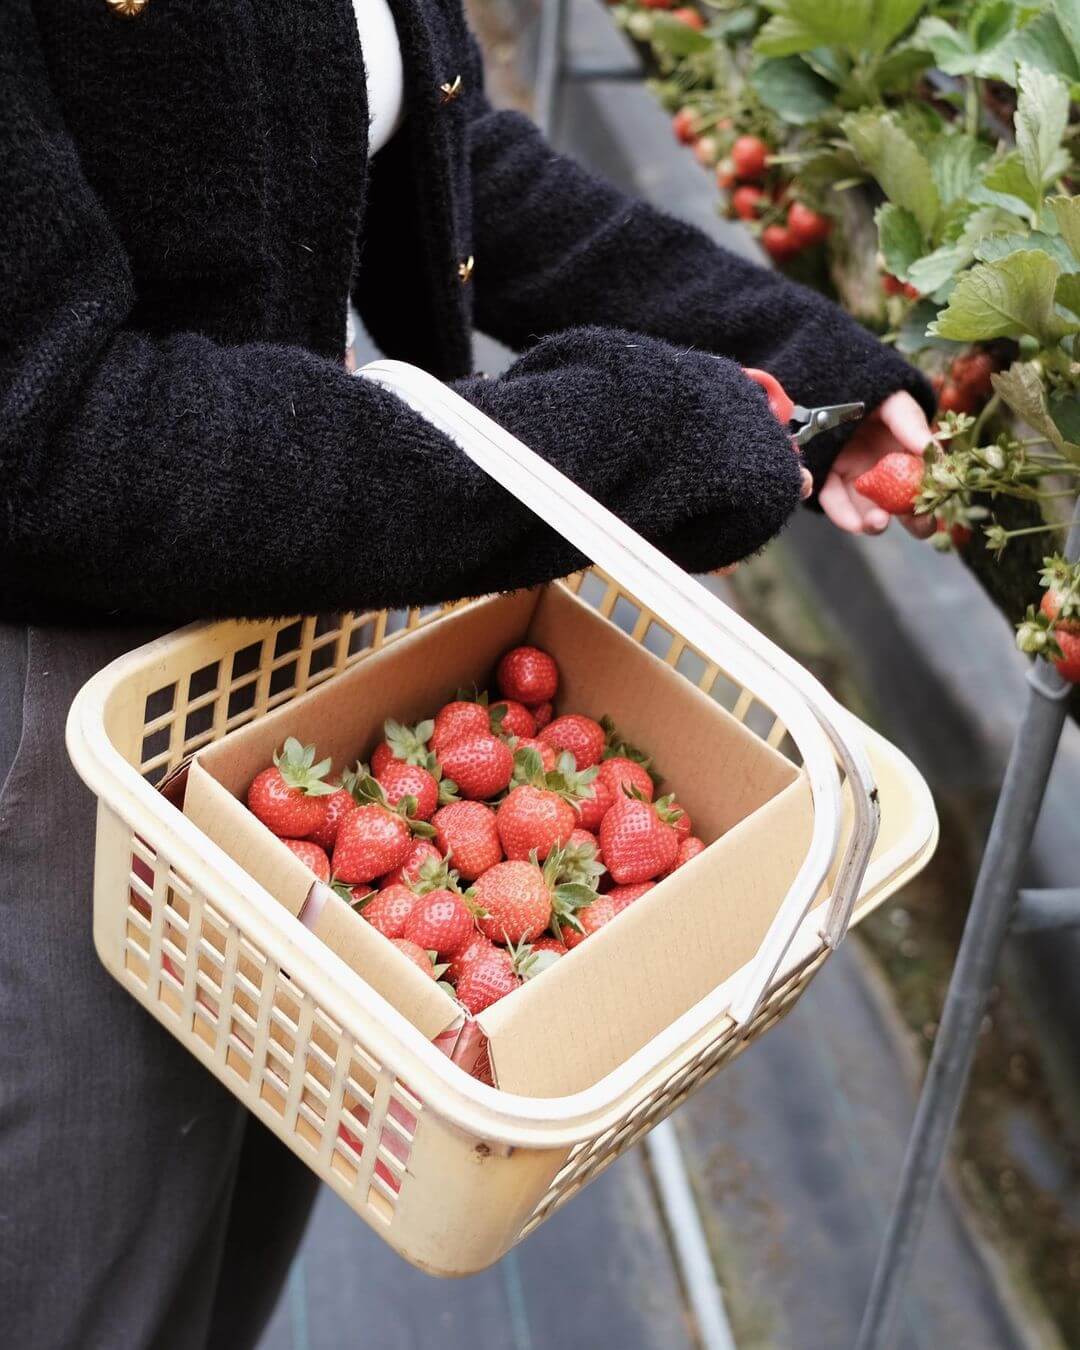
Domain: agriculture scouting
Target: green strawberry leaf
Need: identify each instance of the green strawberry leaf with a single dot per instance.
(997, 246)
(955, 162)
(792, 90)
(899, 237)
(678, 39)
(1021, 387)
(1066, 212)
(1067, 293)
(1011, 297)
(899, 166)
(1042, 114)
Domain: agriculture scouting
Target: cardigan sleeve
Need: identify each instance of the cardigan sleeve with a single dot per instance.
(556, 246)
(171, 476)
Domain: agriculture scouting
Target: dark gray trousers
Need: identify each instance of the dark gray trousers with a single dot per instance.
(140, 1206)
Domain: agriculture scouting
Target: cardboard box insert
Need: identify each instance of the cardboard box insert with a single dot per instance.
(593, 1008)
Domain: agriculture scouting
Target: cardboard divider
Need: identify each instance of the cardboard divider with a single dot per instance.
(694, 931)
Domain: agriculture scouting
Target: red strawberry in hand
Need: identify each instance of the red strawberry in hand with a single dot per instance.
(638, 841)
(311, 855)
(894, 483)
(512, 719)
(290, 798)
(480, 765)
(528, 675)
(580, 735)
(467, 832)
(388, 909)
(440, 921)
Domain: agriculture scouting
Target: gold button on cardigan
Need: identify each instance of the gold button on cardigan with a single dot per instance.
(129, 9)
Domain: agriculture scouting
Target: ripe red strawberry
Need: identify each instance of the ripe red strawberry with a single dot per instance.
(583, 737)
(894, 286)
(371, 840)
(512, 719)
(593, 917)
(400, 780)
(417, 955)
(1051, 606)
(956, 398)
(725, 175)
(676, 816)
(311, 855)
(338, 806)
(748, 202)
(409, 744)
(421, 851)
(388, 909)
(486, 980)
(480, 764)
(748, 156)
(514, 901)
(533, 819)
(689, 847)
(622, 897)
(542, 715)
(692, 18)
(638, 844)
(594, 806)
(1068, 666)
(467, 831)
(619, 773)
(545, 751)
(972, 372)
(808, 226)
(527, 675)
(894, 483)
(684, 125)
(457, 719)
(779, 243)
(290, 797)
(440, 922)
(549, 944)
(477, 946)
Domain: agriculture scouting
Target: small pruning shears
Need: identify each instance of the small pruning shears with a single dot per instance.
(807, 421)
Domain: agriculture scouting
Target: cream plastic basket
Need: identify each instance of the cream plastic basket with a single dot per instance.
(447, 1170)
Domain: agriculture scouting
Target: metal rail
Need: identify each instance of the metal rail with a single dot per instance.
(995, 904)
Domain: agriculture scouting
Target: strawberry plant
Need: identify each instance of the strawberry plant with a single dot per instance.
(917, 160)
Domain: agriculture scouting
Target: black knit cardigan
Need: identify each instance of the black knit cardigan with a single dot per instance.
(186, 205)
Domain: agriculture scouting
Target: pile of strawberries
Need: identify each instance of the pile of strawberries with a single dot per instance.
(488, 841)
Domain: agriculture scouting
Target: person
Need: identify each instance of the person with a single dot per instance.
(192, 195)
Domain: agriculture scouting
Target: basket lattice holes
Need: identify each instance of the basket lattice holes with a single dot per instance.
(333, 1094)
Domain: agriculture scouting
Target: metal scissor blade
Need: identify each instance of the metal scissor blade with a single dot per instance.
(815, 420)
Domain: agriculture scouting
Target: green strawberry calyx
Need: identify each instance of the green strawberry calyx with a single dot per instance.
(578, 863)
(668, 810)
(296, 764)
(368, 791)
(409, 743)
(616, 748)
(567, 897)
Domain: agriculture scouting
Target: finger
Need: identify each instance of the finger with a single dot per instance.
(907, 422)
(806, 484)
(922, 527)
(874, 519)
(837, 504)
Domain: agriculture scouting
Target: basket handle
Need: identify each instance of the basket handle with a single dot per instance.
(819, 727)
